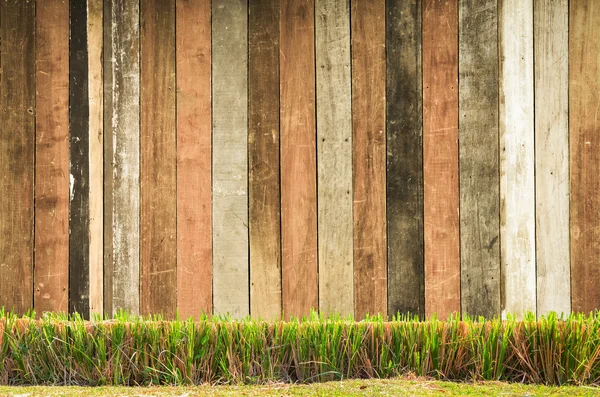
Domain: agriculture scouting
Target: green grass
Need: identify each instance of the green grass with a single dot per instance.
(127, 350)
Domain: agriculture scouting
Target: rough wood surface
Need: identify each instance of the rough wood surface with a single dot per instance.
(584, 102)
(158, 147)
(263, 157)
(551, 44)
(17, 139)
(51, 273)
(517, 185)
(230, 164)
(404, 190)
(121, 156)
(194, 195)
(334, 151)
(298, 158)
(95, 87)
(478, 153)
(440, 157)
(368, 141)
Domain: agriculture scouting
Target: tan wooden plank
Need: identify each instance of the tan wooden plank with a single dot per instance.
(478, 154)
(369, 156)
(263, 159)
(517, 185)
(194, 195)
(51, 281)
(230, 165)
(440, 157)
(551, 44)
(584, 102)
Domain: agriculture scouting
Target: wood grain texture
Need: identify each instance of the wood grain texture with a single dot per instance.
(551, 45)
(194, 195)
(122, 156)
(440, 157)
(479, 161)
(517, 185)
(334, 151)
(158, 172)
(263, 157)
(369, 156)
(79, 204)
(404, 183)
(95, 87)
(51, 272)
(584, 101)
(298, 158)
(17, 139)
(230, 164)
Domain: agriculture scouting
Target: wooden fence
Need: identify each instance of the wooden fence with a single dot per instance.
(267, 156)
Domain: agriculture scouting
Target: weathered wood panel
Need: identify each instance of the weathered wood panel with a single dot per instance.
(404, 190)
(263, 156)
(194, 194)
(230, 164)
(584, 102)
(122, 156)
(334, 153)
(478, 153)
(517, 185)
(17, 139)
(440, 157)
(298, 158)
(158, 147)
(368, 141)
(95, 87)
(51, 272)
(551, 45)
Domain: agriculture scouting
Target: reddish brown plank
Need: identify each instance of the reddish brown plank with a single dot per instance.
(194, 195)
(158, 280)
(584, 101)
(369, 156)
(440, 157)
(298, 158)
(51, 282)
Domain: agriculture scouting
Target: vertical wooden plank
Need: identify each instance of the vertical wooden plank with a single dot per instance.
(17, 137)
(584, 101)
(369, 155)
(122, 155)
(551, 44)
(517, 185)
(440, 157)
(263, 157)
(51, 273)
(478, 153)
(194, 195)
(404, 183)
(230, 165)
(158, 172)
(334, 151)
(95, 43)
(79, 210)
(298, 158)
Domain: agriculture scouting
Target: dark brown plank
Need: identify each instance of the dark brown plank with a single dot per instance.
(584, 100)
(369, 156)
(17, 137)
(404, 194)
(479, 165)
(194, 168)
(51, 273)
(298, 158)
(440, 157)
(263, 157)
(158, 278)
